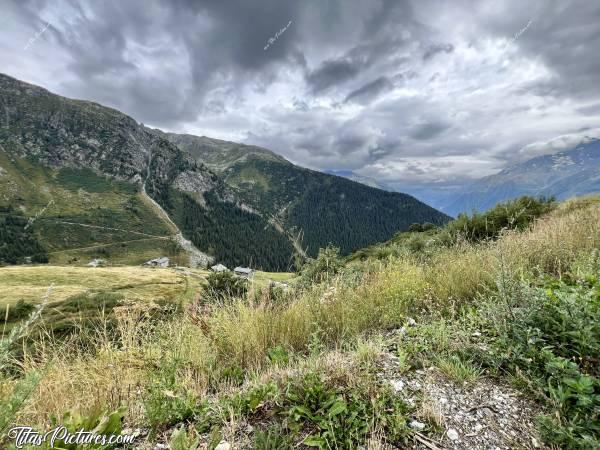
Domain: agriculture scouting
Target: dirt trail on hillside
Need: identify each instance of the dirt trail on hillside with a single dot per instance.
(91, 247)
(103, 228)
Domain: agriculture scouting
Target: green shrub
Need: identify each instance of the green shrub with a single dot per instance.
(18, 311)
(273, 438)
(100, 422)
(415, 227)
(278, 355)
(555, 340)
(166, 401)
(510, 215)
(209, 417)
(426, 226)
(248, 402)
(420, 227)
(233, 374)
(327, 264)
(342, 418)
(181, 440)
(225, 285)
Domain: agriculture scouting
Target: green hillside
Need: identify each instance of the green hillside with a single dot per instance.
(75, 216)
(323, 208)
(96, 173)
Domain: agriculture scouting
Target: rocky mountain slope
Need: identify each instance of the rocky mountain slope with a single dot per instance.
(565, 174)
(86, 141)
(234, 203)
(317, 207)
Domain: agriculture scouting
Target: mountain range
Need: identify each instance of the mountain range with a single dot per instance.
(563, 175)
(568, 173)
(94, 182)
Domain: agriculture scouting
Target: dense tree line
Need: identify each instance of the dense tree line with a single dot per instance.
(352, 216)
(233, 236)
(330, 209)
(18, 242)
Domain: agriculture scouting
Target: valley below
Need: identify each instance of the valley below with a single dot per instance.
(195, 293)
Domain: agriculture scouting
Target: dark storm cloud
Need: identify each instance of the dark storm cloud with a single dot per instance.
(370, 90)
(563, 34)
(427, 131)
(333, 72)
(382, 86)
(433, 49)
(192, 46)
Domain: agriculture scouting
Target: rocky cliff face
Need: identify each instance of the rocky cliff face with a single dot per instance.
(60, 132)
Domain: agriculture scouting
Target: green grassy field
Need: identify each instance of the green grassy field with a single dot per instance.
(80, 294)
(79, 216)
(31, 283)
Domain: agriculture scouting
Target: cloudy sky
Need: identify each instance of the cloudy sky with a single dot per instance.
(406, 92)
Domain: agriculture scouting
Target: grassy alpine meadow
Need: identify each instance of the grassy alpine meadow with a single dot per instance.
(349, 353)
(29, 283)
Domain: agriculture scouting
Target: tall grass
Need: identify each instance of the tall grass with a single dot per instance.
(207, 347)
(16, 392)
(557, 242)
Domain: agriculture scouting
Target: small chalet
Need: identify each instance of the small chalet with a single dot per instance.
(163, 261)
(243, 272)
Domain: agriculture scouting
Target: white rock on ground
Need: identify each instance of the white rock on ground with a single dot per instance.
(452, 434)
(398, 385)
(223, 445)
(416, 425)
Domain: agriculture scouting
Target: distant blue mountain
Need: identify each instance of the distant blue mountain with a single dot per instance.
(565, 174)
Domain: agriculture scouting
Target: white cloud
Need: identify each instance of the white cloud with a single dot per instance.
(558, 143)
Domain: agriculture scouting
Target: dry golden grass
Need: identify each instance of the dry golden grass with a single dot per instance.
(115, 373)
(557, 242)
(135, 283)
(240, 334)
(430, 410)
(458, 273)
(244, 333)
